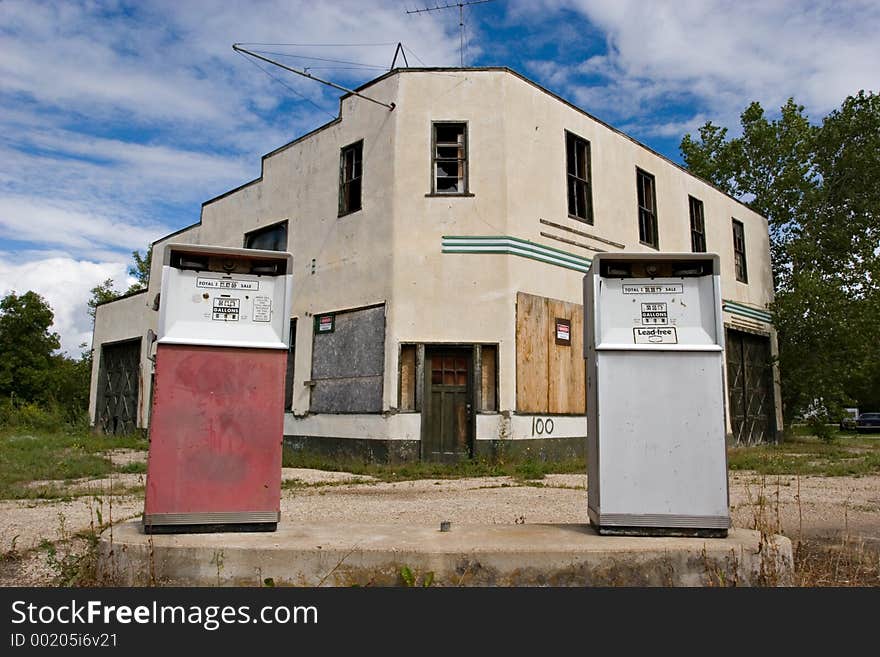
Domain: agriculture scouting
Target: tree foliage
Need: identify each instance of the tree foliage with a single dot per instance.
(818, 187)
(27, 345)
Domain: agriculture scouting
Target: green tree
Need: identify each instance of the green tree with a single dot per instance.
(101, 293)
(140, 270)
(27, 346)
(817, 186)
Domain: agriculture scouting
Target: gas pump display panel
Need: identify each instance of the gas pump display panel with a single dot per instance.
(216, 426)
(655, 394)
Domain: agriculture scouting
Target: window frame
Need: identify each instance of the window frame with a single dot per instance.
(266, 229)
(698, 236)
(741, 269)
(358, 149)
(652, 211)
(464, 162)
(573, 140)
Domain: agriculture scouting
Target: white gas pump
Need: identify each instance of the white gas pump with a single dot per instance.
(654, 346)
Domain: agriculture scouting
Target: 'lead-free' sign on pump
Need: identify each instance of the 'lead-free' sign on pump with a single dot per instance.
(655, 394)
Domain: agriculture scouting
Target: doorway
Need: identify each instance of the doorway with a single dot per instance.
(448, 411)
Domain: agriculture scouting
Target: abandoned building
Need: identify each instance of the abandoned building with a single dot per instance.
(439, 249)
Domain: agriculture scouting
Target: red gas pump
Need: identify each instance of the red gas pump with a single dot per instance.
(218, 399)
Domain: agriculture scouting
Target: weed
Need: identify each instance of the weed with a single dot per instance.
(390, 472)
(412, 580)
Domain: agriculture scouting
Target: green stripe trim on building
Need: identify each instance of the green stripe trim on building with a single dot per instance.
(735, 308)
(507, 245)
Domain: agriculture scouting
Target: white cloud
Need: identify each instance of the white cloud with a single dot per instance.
(65, 283)
(722, 55)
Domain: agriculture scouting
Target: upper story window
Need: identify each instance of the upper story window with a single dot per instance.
(350, 173)
(270, 238)
(577, 157)
(647, 209)
(739, 251)
(450, 158)
(698, 225)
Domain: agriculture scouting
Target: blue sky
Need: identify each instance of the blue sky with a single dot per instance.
(117, 119)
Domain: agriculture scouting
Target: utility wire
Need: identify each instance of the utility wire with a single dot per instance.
(319, 59)
(288, 87)
(320, 45)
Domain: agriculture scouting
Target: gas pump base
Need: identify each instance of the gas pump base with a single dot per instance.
(208, 523)
(609, 530)
(625, 524)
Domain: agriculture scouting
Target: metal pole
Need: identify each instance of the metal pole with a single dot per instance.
(238, 48)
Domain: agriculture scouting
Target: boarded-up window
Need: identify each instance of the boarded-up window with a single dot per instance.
(488, 378)
(407, 401)
(348, 363)
(549, 376)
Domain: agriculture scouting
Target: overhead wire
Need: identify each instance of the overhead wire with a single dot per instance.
(289, 88)
(319, 59)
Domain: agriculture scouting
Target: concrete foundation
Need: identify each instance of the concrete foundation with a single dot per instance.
(333, 554)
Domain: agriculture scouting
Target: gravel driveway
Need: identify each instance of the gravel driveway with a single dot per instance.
(825, 508)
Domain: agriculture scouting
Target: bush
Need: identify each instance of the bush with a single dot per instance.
(41, 417)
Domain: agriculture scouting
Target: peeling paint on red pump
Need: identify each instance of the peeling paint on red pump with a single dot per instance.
(216, 431)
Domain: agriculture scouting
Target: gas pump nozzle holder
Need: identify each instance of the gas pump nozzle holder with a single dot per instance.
(654, 346)
(216, 425)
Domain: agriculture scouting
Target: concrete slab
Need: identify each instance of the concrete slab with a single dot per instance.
(335, 554)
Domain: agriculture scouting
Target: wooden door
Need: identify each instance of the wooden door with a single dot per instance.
(447, 415)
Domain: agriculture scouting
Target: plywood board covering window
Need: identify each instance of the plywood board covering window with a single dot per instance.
(549, 376)
(488, 378)
(408, 377)
(348, 364)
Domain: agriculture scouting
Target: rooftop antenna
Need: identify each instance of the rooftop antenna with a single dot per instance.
(461, 6)
(237, 48)
(397, 50)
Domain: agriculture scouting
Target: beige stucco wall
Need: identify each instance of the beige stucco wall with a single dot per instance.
(391, 252)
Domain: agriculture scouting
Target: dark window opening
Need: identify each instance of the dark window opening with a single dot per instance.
(739, 252)
(450, 158)
(271, 238)
(647, 209)
(698, 226)
(577, 156)
(350, 174)
(288, 378)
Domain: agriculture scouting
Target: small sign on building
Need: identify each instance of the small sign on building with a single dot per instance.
(325, 323)
(563, 331)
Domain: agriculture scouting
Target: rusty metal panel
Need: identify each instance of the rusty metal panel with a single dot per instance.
(216, 431)
(348, 364)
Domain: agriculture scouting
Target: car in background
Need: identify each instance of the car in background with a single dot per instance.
(868, 422)
(848, 422)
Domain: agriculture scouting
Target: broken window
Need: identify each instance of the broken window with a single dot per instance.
(450, 158)
(270, 238)
(350, 173)
(577, 155)
(647, 209)
(698, 226)
(739, 251)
